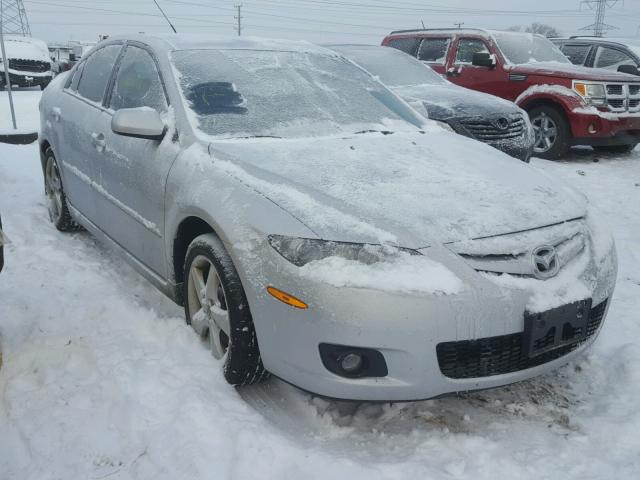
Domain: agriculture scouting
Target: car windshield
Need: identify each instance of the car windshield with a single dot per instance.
(519, 48)
(259, 93)
(391, 66)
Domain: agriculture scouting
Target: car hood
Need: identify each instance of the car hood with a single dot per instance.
(410, 189)
(577, 72)
(445, 102)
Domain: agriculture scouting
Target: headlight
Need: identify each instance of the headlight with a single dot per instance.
(301, 251)
(593, 93)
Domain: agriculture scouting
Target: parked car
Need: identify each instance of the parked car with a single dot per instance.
(477, 115)
(29, 62)
(617, 54)
(314, 226)
(568, 105)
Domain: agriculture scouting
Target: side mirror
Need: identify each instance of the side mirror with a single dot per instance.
(141, 122)
(630, 69)
(483, 59)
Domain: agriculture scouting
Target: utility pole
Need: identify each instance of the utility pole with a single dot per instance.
(599, 28)
(14, 18)
(459, 25)
(239, 18)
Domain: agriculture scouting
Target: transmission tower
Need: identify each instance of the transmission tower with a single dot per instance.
(13, 18)
(599, 28)
(238, 17)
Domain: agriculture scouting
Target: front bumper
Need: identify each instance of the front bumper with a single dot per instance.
(26, 79)
(591, 127)
(406, 328)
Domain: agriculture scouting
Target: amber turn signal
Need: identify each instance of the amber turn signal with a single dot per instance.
(284, 297)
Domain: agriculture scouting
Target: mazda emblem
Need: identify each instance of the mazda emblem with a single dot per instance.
(545, 262)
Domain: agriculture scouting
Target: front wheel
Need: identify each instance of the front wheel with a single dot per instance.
(56, 198)
(552, 133)
(216, 307)
(620, 149)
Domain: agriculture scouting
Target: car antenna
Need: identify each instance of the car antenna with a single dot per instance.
(165, 16)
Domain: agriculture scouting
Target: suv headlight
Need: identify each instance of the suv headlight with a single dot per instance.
(593, 93)
(301, 251)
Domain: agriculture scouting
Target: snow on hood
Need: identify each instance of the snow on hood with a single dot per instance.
(24, 48)
(444, 102)
(568, 70)
(414, 190)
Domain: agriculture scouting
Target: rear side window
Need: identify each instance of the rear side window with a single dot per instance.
(611, 58)
(97, 71)
(434, 50)
(407, 45)
(467, 47)
(576, 53)
(76, 77)
(138, 82)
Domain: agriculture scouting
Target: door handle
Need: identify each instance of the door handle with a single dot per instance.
(97, 139)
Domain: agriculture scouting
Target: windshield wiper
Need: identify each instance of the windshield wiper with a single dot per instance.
(384, 132)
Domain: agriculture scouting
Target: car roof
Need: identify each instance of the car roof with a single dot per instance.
(180, 41)
(617, 40)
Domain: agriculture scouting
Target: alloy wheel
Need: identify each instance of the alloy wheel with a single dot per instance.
(208, 305)
(546, 132)
(53, 190)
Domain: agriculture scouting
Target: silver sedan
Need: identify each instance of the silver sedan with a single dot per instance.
(314, 226)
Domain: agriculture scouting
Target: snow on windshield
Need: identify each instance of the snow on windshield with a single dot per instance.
(249, 93)
(391, 66)
(519, 48)
(26, 49)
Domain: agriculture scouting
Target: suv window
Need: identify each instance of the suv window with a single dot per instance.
(434, 50)
(611, 58)
(576, 53)
(407, 45)
(97, 71)
(138, 82)
(467, 47)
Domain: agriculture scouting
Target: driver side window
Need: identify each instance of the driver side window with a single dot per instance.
(467, 48)
(138, 82)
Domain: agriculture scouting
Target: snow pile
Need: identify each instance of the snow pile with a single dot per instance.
(403, 274)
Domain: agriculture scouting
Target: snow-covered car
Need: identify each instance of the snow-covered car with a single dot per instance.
(481, 116)
(28, 61)
(315, 226)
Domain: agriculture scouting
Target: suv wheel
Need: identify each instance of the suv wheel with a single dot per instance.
(620, 149)
(552, 134)
(56, 199)
(216, 307)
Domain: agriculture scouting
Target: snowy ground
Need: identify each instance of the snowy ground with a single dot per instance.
(102, 378)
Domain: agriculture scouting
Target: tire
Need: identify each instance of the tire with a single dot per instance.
(218, 310)
(555, 146)
(619, 149)
(56, 198)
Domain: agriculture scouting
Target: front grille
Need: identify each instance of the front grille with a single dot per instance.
(504, 354)
(496, 129)
(623, 97)
(35, 66)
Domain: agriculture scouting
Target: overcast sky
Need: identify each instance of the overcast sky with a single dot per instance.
(363, 21)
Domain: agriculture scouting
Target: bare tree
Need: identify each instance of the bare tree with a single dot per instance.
(536, 27)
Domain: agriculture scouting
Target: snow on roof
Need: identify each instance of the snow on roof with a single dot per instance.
(195, 41)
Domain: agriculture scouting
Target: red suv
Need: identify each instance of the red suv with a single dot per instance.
(568, 105)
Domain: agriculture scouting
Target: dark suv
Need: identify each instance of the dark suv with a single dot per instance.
(568, 104)
(618, 54)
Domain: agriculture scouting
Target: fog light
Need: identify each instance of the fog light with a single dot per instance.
(351, 363)
(592, 129)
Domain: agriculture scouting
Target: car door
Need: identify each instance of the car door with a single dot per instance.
(461, 71)
(133, 171)
(78, 111)
(433, 51)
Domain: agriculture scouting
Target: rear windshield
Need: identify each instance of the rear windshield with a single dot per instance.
(519, 48)
(391, 66)
(255, 93)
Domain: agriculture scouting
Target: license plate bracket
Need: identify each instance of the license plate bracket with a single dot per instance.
(555, 328)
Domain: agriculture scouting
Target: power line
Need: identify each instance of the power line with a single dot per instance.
(165, 17)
